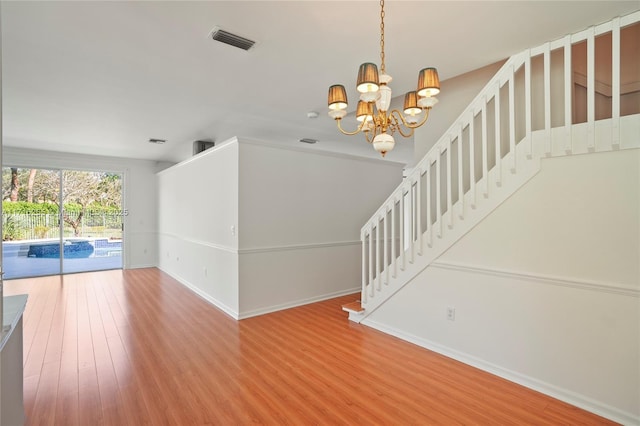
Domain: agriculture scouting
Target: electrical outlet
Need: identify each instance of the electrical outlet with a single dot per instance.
(451, 313)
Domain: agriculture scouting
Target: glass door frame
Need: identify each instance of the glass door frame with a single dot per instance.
(121, 211)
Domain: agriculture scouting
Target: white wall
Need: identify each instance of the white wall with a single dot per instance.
(575, 220)
(296, 216)
(198, 206)
(140, 194)
(546, 289)
(300, 219)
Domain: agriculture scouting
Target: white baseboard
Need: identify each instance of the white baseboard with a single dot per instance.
(297, 303)
(561, 394)
(207, 297)
(141, 266)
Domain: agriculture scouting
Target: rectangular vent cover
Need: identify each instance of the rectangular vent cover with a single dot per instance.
(308, 140)
(232, 39)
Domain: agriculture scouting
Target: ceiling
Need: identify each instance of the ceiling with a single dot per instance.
(105, 77)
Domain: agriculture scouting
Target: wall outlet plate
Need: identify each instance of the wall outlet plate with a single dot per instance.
(451, 313)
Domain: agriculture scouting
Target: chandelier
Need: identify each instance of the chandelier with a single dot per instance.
(376, 121)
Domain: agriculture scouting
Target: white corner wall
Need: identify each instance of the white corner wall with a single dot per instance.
(140, 194)
(255, 227)
(198, 215)
(546, 289)
(300, 217)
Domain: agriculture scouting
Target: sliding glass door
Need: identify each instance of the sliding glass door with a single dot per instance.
(30, 222)
(60, 221)
(92, 221)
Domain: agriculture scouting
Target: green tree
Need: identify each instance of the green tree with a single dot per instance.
(82, 191)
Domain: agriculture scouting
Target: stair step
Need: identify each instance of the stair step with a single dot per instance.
(355, 307)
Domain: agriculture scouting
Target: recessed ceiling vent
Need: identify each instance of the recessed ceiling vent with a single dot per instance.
(308, 140)
(231, 39)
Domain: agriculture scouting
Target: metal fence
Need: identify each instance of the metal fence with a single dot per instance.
(28, 226)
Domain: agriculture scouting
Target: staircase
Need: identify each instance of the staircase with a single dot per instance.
(496, 145)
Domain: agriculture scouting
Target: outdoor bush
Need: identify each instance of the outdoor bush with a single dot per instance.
(40, 231)
(10, 230)
(23, 207)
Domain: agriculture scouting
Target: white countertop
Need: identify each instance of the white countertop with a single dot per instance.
(12, 312)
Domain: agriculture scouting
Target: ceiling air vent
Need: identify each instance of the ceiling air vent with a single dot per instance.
(232, 39)
(308, 140)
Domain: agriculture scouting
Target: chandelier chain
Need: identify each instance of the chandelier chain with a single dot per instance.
(382, 69)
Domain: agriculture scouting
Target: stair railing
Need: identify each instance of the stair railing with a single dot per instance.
(480, 147)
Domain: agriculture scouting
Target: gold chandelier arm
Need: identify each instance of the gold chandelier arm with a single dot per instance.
(373, 135)
(394, 115)
(358, 130)
(424, 120)
(416, 125)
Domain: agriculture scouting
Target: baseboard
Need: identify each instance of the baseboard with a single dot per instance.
(561, 394)
(142, 266)
(296, 303)
(207, 297)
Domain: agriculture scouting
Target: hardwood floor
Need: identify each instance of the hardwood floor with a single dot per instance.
(135, 347)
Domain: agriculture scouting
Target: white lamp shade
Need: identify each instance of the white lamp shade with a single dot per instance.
(337, 114)
(427, 102)
(369, 96)
(411, 119)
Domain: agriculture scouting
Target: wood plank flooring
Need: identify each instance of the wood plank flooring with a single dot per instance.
(135, 347)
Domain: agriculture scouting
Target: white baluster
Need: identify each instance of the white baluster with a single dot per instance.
(449, 189)
(394, 267)
(429, 225)
(371, 277)
(378, 269)
(438, 196)
(512, 120)
(527, 105)
(485, 147)
(460, 176)
(412, 223)
(568, 91)
(472, 160)
(498, 145)
(402, 225)
(547, 98)
(385, 262)
(418, 204)
(615, 83)
(591, 90)
(363, 238)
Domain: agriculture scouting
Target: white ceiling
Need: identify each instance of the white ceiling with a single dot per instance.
(104, 77)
